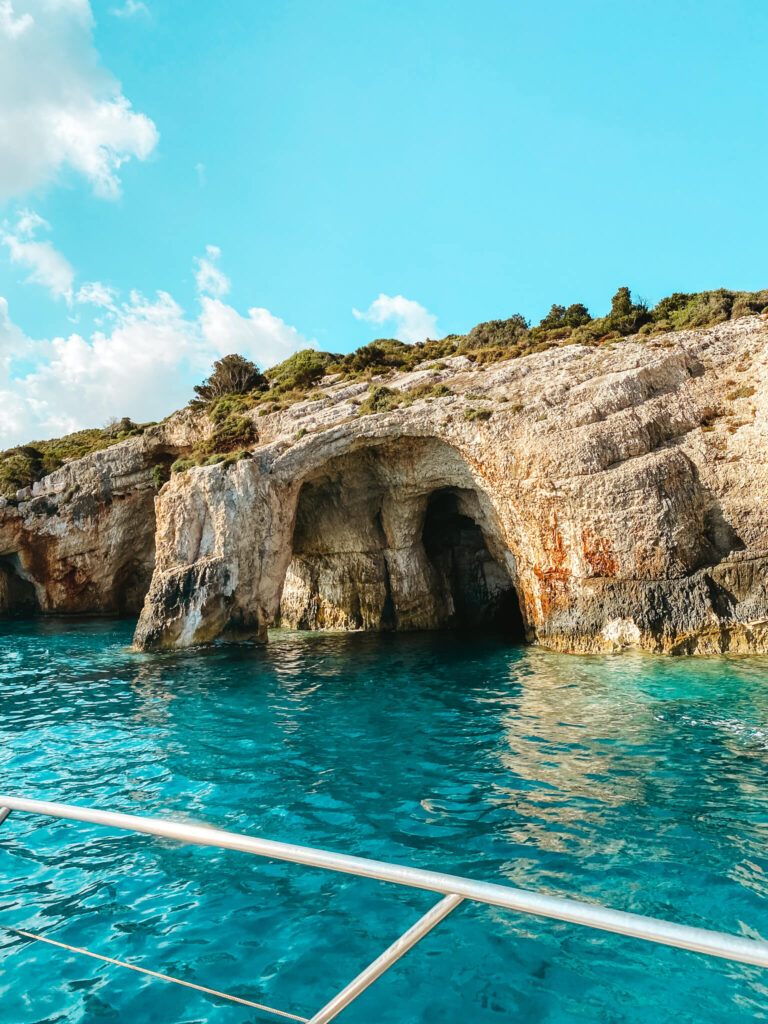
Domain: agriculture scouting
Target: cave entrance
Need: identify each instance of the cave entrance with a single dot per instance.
(17, 595)
(478, 593)
(397, 536)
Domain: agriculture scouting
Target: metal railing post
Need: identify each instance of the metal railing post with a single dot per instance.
(390, 956)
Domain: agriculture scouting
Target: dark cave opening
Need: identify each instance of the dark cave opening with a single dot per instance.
(480, 591)
(17, 595)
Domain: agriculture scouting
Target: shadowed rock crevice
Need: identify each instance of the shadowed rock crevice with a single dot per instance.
(477, 589)
(17, 594)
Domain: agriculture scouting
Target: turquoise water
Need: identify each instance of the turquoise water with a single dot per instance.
(638, 782)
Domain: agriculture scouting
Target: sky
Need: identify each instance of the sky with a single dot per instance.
(183, 180)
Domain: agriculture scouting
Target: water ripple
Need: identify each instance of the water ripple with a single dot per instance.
(634, 781)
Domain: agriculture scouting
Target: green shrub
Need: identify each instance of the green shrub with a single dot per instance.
(234, 433)
(626, 316)
(745, 391)
(300, 370)
(495, 334)
(379, 356)
(477, 414)
(233, 457)
(181, 465)
(301, 433)
(222, 408)
(21, 467)
(560, 317)
(431, 391)
(231, 375)
(381, 399)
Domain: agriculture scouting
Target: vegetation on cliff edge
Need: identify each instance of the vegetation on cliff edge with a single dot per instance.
(22, 466)
(236, 385)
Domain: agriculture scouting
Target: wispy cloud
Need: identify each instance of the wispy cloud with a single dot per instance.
(94, 293)
(130, 9)
(46, 265)
(209, 278)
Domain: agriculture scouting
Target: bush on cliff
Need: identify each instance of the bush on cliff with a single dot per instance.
(231, 375)
(687, 311)
(22, 466)
(232, 434)
(477, 414)
(378, 357)
(300, 371)
(382, 399)
(230, 405)
(558, 317)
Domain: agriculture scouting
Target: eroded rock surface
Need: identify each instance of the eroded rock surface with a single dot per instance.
(84, 540)
(616, 496)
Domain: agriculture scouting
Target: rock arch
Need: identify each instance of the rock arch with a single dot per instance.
(326, 534)
(397, 535)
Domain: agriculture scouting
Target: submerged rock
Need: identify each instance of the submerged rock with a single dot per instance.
(586, 498)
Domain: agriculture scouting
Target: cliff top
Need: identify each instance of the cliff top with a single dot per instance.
(378, 377)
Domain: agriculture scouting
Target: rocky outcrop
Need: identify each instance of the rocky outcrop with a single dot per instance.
(585, 498)
(82, 540)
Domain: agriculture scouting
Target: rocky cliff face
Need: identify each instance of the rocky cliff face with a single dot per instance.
(82, 540)
(614, 496)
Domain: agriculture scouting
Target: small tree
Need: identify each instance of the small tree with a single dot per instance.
(558, 316)
(232, 375)
(576, 315)
(554, 318)
(627, 316)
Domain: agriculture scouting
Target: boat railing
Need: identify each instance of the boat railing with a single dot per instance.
(453, 889)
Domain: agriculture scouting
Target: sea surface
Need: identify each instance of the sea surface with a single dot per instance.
(637, 782)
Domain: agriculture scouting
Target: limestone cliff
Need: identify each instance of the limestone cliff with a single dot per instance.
(82, 540)
(585, 498)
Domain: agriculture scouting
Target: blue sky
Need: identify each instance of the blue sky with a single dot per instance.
(465, 161)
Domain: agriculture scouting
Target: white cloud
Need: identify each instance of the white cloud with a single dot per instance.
(209, 278)
(143, 365)
(130, 9)
(200, 171)
(60, 109)
(10, 25)
(12, 342)
(260, 336)
(94, 293)
(412, 321)
(46, 265)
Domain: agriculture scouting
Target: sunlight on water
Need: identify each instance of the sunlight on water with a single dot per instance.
(638, 782)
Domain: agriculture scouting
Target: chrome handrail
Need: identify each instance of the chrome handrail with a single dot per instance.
(698, 940)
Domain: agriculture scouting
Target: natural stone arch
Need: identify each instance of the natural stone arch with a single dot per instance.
(225, 534)
(397, 534)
